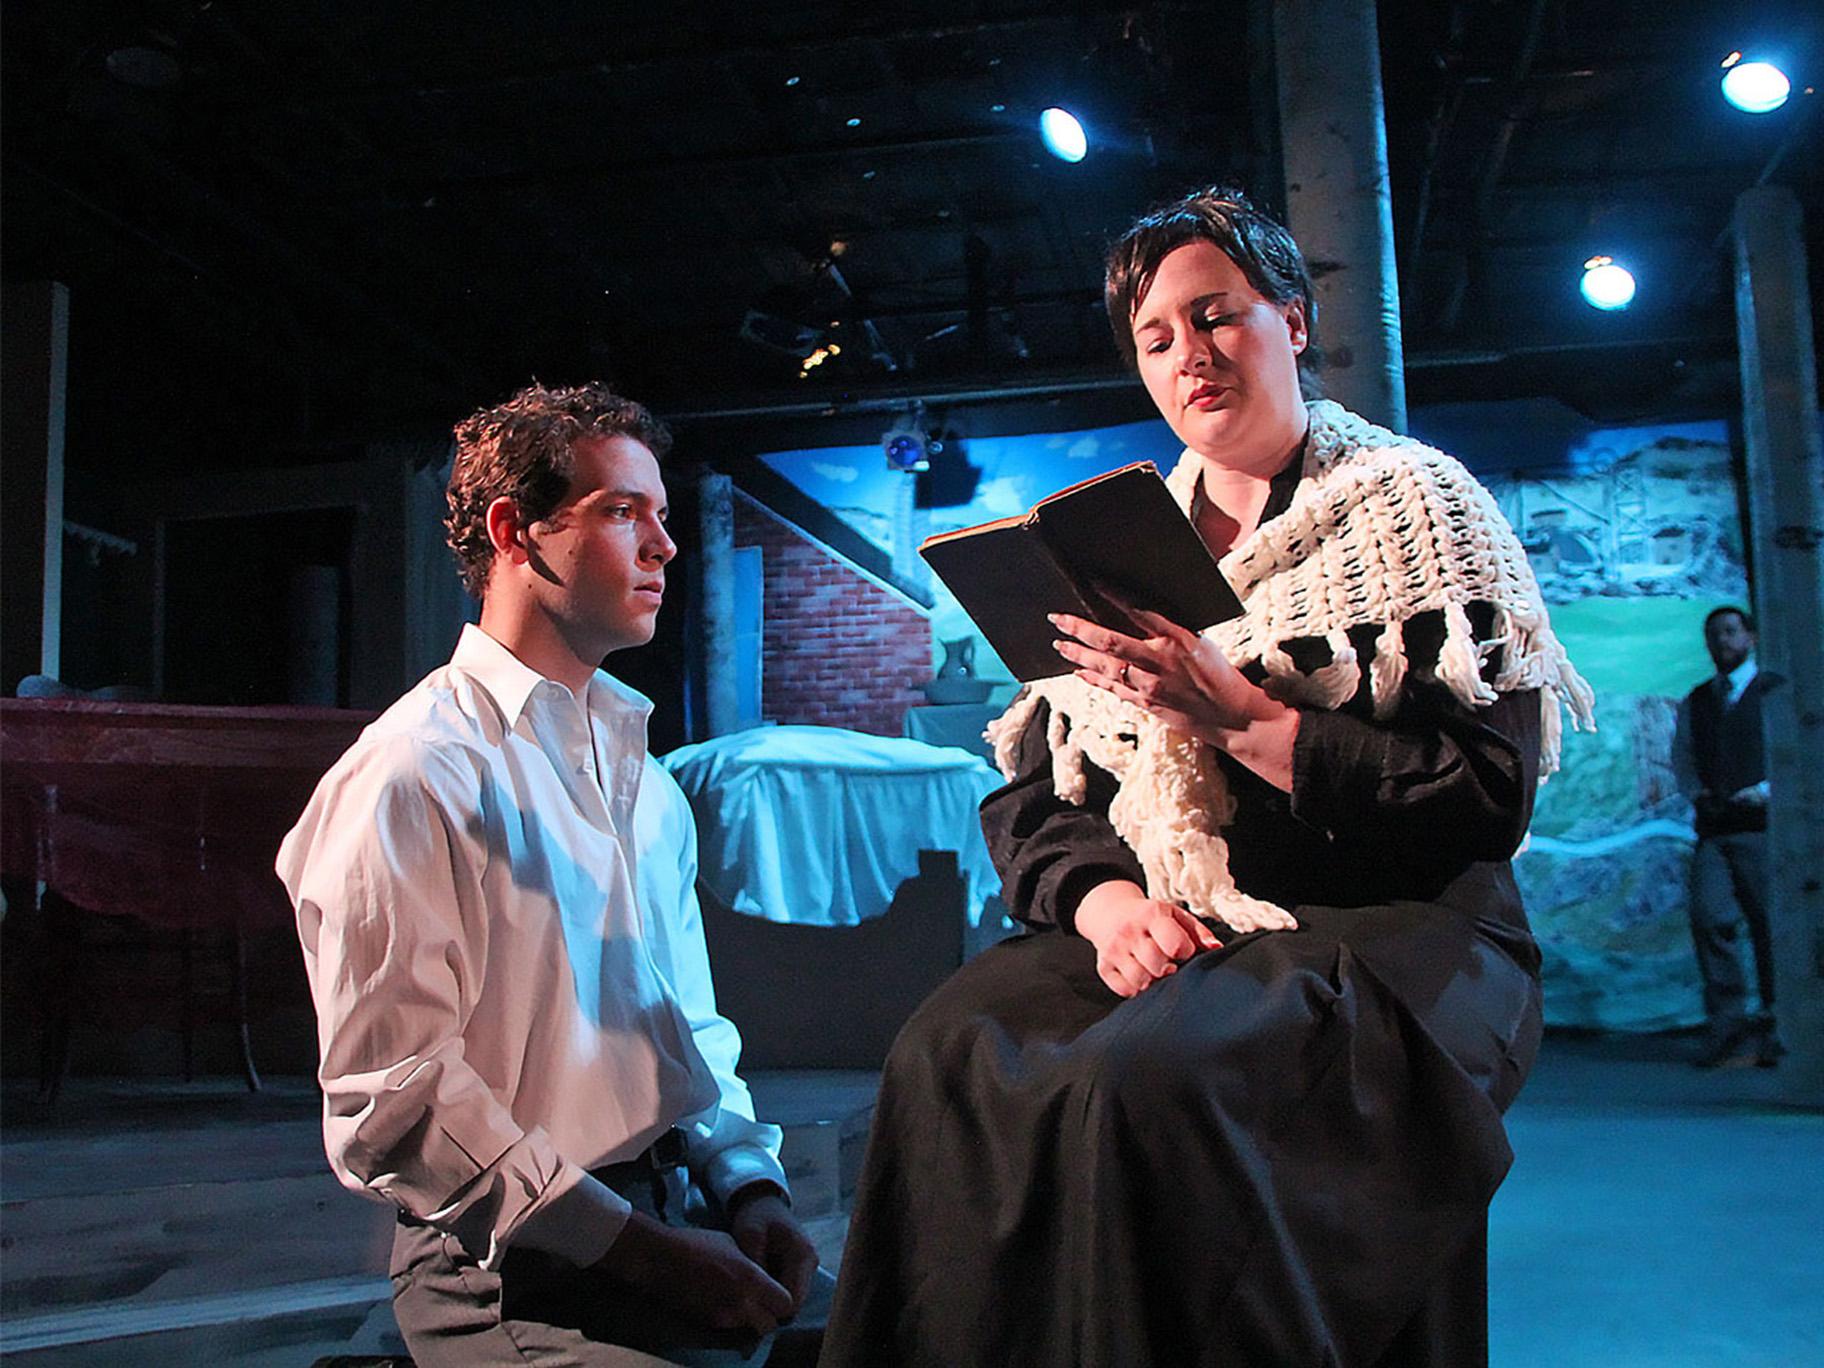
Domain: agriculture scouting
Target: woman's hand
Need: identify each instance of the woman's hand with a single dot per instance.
(1179, 677)
(1138, 939)
(1185, 681)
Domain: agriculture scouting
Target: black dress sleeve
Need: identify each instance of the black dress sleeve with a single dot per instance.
(1050, 852)
(1407, 807)
(1436, 783)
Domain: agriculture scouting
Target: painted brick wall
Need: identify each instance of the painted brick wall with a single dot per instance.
(838, 650)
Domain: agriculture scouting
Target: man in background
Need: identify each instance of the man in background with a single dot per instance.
(495, 890)
(1719, 756)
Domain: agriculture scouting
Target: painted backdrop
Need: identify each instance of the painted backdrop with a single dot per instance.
(1634, 535)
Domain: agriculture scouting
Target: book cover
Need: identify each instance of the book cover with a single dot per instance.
(1121, 532)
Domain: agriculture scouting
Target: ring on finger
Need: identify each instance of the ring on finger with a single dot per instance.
(1124, 678)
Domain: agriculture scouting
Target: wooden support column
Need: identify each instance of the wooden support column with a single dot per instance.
(1786, 506)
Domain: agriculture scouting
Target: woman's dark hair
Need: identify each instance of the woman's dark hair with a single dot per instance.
(521, 450)
(1258, 244)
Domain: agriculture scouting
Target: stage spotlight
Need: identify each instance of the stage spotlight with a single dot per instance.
(1756, 87)
(1064, 136)
(906, 448)
(1607, 285)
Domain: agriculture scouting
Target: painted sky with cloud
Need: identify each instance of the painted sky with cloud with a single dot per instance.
(855, 483)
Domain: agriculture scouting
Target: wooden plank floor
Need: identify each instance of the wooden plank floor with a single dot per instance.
(140, 1219)
(1656, 1215)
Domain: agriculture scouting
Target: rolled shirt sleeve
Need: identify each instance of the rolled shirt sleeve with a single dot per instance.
(395, 938)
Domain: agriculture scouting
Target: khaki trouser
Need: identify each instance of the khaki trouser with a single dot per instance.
(540, 1309)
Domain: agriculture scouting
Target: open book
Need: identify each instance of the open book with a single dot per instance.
(1121, 532)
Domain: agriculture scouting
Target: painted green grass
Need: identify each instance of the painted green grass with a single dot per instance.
(1625, 647)
(1636, 645)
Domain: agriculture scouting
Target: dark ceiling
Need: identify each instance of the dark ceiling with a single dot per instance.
(292, 227)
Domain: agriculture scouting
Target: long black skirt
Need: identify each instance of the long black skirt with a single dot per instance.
(1275, 1157)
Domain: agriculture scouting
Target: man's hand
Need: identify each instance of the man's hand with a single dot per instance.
(1754, 796)
(702, 1274)
(1138, 940)
(766, 1231)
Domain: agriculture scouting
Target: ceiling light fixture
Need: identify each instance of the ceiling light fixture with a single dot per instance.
(1606, 284)
(144, 68)
(1756, 87)
(1063, 134)
(817, 358)
(907, 444)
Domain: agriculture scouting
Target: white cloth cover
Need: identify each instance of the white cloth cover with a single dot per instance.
(819, 826)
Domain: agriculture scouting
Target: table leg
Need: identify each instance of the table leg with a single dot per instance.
(62, 927)
(251, 1074)
(186, 952)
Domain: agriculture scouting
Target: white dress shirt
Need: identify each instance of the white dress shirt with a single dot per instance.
(495, 891)
(1737, 681)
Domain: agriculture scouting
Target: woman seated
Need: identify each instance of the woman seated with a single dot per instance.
(1237, 1099)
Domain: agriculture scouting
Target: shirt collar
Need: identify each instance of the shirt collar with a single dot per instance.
(510, 682)
(1741, 676)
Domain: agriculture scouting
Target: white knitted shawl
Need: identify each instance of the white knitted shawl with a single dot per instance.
(1381, 528)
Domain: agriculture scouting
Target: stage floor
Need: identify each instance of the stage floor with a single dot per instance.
(153, 1221)
(1655, 1216)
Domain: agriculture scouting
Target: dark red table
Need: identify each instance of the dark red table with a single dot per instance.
(167, 815)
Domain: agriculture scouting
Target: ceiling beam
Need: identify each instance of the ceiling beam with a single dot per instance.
(896, 397)
(1516, 103)
(772, 51)
(625, 167)
(211, 205)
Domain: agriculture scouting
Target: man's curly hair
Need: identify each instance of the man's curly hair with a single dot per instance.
(521, 450)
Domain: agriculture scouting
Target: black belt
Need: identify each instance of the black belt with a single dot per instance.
(664, 1155)
(660, 1166)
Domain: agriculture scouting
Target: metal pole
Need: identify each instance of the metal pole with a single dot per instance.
(716, 619)
(1339, 203)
